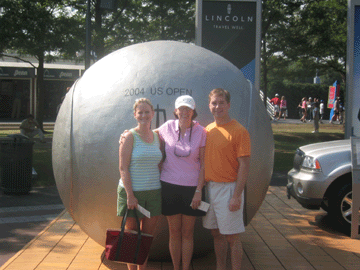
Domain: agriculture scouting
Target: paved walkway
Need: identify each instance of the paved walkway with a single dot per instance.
(282, 235)
(23, 217)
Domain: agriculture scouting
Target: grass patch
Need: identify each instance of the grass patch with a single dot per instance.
(42, 163)
(4, 133)
(288, 137)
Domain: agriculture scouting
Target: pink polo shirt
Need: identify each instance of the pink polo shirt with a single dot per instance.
(178, 168)
(304, 105)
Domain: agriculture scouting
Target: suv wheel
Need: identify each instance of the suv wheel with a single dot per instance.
(342, 204)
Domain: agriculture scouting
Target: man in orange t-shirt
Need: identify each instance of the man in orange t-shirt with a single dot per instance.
(227, 159)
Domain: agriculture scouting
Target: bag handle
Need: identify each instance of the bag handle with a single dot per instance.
(123, 222)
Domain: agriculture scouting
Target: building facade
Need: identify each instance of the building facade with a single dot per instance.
(18, 82)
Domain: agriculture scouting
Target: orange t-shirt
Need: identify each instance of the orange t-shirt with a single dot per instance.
(224, 144)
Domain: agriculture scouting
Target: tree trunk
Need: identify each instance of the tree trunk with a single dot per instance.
(99, 46)
(40, 92)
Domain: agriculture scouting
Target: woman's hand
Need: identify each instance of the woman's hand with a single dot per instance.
(132, 202)
(196, 200)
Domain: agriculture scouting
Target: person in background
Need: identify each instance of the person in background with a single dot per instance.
(336, 114)
(283, 107)
(139, 157)
(276, 102)
(316, 117)
(322, 110)
(342, 113)
(309, 108)
(227, 161)
(30, 128)
(304, 110)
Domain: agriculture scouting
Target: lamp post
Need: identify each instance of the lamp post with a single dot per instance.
(104, 4)
(88, 36)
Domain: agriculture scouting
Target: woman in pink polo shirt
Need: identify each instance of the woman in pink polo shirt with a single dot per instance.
(182, 178)
(303, 108)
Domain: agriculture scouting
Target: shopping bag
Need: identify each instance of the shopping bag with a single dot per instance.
(127, 246)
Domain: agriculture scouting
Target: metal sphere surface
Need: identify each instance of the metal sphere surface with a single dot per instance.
(98, 108)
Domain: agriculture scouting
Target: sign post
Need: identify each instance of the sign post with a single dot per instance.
(232, 29)
(352, 121)
(355, 160)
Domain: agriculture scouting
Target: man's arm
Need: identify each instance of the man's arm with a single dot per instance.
(242, 176)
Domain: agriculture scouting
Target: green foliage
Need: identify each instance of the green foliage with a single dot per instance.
(38, 28)
(136, 21)
(276, 17)
(300, 39)
(319, 33)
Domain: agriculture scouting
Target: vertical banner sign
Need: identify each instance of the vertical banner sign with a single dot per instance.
(232, 30)
(352, 107)
(331, 97)
(334, 92)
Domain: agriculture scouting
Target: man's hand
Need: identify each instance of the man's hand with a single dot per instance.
(234, 204)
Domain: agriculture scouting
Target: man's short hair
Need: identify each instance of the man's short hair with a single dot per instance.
(220, 92)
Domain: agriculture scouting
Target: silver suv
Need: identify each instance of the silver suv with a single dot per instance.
(322, 177)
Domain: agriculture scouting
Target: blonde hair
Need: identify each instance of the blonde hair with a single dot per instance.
(142, 100)
(220, 92)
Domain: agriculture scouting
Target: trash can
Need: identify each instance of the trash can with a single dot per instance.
(16, 164)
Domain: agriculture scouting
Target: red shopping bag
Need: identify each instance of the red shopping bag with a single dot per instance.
(127, 246)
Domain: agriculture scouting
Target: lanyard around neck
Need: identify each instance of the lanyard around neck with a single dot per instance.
(191, 126)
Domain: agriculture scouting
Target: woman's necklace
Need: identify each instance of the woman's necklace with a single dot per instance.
(182, 131)
(146, 136)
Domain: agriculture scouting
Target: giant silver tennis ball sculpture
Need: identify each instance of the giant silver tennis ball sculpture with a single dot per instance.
(99, 107)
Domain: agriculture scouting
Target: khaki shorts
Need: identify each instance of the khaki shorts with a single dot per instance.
(149, 199)
(219, 216)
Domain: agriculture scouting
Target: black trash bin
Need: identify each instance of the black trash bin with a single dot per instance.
(16, 164)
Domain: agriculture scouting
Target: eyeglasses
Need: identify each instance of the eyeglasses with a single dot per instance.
(181, 148)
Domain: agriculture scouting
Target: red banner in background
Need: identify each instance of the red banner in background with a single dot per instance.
(331, 97)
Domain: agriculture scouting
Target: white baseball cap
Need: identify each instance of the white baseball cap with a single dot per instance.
(276, 95)
(185, 100)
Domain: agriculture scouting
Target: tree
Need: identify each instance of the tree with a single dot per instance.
(318, 33)
(301, 37)
(43, 29)
(276, 18)
(135, 21)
